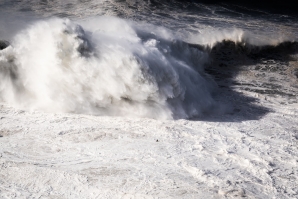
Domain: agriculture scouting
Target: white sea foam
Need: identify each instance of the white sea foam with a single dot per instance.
(210, 37)
(105, 66)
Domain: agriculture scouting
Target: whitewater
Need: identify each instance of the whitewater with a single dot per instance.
(146, 99)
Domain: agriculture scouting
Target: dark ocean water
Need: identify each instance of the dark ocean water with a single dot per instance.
(187, 53)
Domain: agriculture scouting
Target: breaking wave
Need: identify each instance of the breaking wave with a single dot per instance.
(105, 66)
(110, 66)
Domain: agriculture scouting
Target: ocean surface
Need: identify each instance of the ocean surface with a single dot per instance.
(148, 99)
(157, 59)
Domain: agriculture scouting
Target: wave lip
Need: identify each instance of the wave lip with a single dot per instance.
(105, 66)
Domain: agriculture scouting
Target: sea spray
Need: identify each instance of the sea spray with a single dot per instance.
(105, 66)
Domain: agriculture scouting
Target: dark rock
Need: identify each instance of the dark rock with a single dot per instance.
(3, 44)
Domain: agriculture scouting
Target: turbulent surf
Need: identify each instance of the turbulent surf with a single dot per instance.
(105, 65)
(147, 99)
(112, 67)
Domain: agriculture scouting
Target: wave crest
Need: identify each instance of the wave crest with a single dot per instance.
(106, 66)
